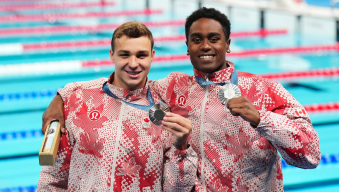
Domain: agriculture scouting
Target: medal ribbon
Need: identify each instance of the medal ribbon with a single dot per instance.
(234, 80)
(142, 107)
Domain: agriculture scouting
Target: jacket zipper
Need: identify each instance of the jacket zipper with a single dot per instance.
(116, 145)
(202, 138)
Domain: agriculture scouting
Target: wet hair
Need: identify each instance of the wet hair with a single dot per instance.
(132, 29)
(210, 13)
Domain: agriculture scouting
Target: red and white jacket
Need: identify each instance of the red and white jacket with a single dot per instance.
(233, 156)
(111, 146)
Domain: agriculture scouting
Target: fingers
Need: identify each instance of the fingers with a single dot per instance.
(62, 125)
(238, 106)
(55, 111)
(180, 120)
(180, 127)
(177, 124)
(242, 107)
(47, 121)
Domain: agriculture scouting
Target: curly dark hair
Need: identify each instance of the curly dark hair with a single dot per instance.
(210, 13)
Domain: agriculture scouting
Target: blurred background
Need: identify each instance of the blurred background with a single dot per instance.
(45, 44)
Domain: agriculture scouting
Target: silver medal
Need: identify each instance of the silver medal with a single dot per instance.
(227, 92)
(157, 113)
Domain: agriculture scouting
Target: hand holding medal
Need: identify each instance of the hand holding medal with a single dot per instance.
(180, 127)
(241, 106)
(230, 95)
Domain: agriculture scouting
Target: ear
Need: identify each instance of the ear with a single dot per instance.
(228, 43)
(152, 54)
(188, 53)
(111, 54)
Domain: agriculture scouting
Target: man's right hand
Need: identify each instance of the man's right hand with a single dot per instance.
(55, 111)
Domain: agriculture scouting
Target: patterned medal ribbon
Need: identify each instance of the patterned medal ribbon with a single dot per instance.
(156, 111)
(228, 90)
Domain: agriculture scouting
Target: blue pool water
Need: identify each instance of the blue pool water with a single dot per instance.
(23, 98)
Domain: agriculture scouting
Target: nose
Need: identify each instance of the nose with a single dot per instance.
(133, 63)
(205, 46)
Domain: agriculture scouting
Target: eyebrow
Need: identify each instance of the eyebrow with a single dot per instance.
(211, 34)
(143, 52)
(123, 51)
(196, 34)
(139, 52)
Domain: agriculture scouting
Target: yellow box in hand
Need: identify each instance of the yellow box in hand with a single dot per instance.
(50, 144)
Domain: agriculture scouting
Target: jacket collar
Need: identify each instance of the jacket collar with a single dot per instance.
(125, 94)
(223, 75)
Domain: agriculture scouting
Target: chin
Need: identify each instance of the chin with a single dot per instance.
(207, 69)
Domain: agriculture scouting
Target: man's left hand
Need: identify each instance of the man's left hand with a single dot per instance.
(241, 106)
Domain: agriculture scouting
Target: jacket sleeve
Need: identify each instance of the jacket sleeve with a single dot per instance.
(55, 178)
(180, 166)
(180, 169)
(286, 124)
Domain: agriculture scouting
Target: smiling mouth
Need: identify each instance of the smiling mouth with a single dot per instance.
(133, 72)
(206, 56)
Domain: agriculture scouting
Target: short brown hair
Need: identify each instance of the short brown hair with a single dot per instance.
(132, 29)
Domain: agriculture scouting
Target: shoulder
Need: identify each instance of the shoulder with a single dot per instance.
(76, 87)
(92, 84)
(179, 76)
(250, 78)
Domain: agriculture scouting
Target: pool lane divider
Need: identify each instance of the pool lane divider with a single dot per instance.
(73, 29)
(60, 5)
(274, 51)
(314, 73)
(325, 159)
(19, 48)
(321, 107)
(55, 29)
(317, 107)
(31, 188)
(78, 65)
(52, 17)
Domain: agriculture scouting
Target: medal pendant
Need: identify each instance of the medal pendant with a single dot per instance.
(157, 113)
(227, 92)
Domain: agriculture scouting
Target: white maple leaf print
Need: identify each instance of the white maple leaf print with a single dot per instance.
(129, 168)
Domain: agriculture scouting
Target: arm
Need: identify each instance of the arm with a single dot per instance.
(55, 178)
(55, 111)
(284, 122)
(180, 166)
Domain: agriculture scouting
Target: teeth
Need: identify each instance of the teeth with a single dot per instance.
(206, 57)
(133, 73)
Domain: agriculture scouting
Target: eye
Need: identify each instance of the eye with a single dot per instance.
(196, 40)
(214, 39)
(124, 55)
(142, 56)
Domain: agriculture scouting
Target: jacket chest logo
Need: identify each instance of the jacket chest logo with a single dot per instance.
(181, 100)
(146, 123)
(94, 115)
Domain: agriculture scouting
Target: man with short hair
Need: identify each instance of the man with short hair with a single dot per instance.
(110, 143)
(239, 120)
